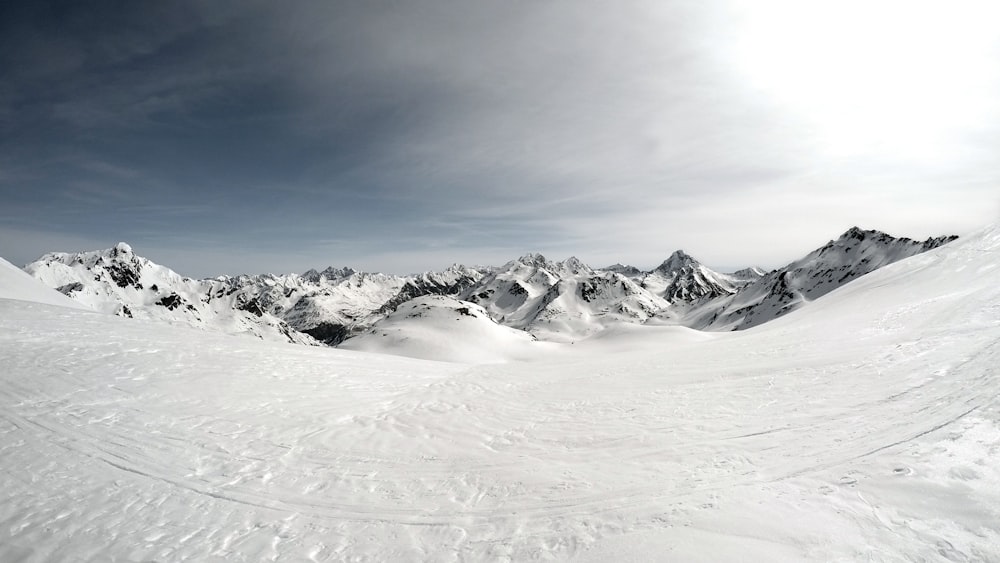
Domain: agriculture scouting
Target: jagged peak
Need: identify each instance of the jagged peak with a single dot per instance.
(678, 260)
(330, 273)
(858, 233)
(534, 259)
(574, 265)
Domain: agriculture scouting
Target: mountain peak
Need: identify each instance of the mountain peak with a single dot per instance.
(330, 274)
(530, 256)
(535, 259)
(678, 260)
(574, 265)
(121, 248)
(860, 234)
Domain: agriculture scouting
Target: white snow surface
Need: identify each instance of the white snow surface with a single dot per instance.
(16, 284)
(438, 327)
(862, 428)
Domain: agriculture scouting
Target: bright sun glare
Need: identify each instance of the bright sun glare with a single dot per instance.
(900, 79)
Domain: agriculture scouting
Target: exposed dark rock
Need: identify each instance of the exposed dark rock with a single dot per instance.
(171, 301)
(69, 288)
(329, 333)
(124, 275)
(249, 305)
(422, 286)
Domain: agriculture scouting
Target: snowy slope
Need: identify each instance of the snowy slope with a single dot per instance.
(16, 284)
(437, 327)
(861, 428)
(777, 293)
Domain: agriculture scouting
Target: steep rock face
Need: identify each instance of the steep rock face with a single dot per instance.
(117, 281)
(856, 253)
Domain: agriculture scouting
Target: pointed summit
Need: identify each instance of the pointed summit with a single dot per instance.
(682, 279)
(573, 265)
(858, 233)
(121, 248)
(535, 259)
(676, 262)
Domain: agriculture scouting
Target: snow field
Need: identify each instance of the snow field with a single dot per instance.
(864, 427)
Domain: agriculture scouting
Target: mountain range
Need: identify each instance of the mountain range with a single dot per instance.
(559, 301)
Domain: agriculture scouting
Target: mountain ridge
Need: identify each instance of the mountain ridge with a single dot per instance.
(555, 300)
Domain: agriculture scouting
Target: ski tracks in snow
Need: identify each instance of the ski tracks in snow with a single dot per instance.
(198, 447)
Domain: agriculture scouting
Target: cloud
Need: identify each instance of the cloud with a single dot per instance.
(610, 131)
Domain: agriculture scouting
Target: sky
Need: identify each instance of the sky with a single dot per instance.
(243, 136)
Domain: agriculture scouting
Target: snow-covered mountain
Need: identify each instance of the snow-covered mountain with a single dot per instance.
(856, 253)
(561, 301)
(318, 306)
(328, 309)
(681, 279)
(119, 282)
(745, 276)
(338, 303)
(564, 300)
